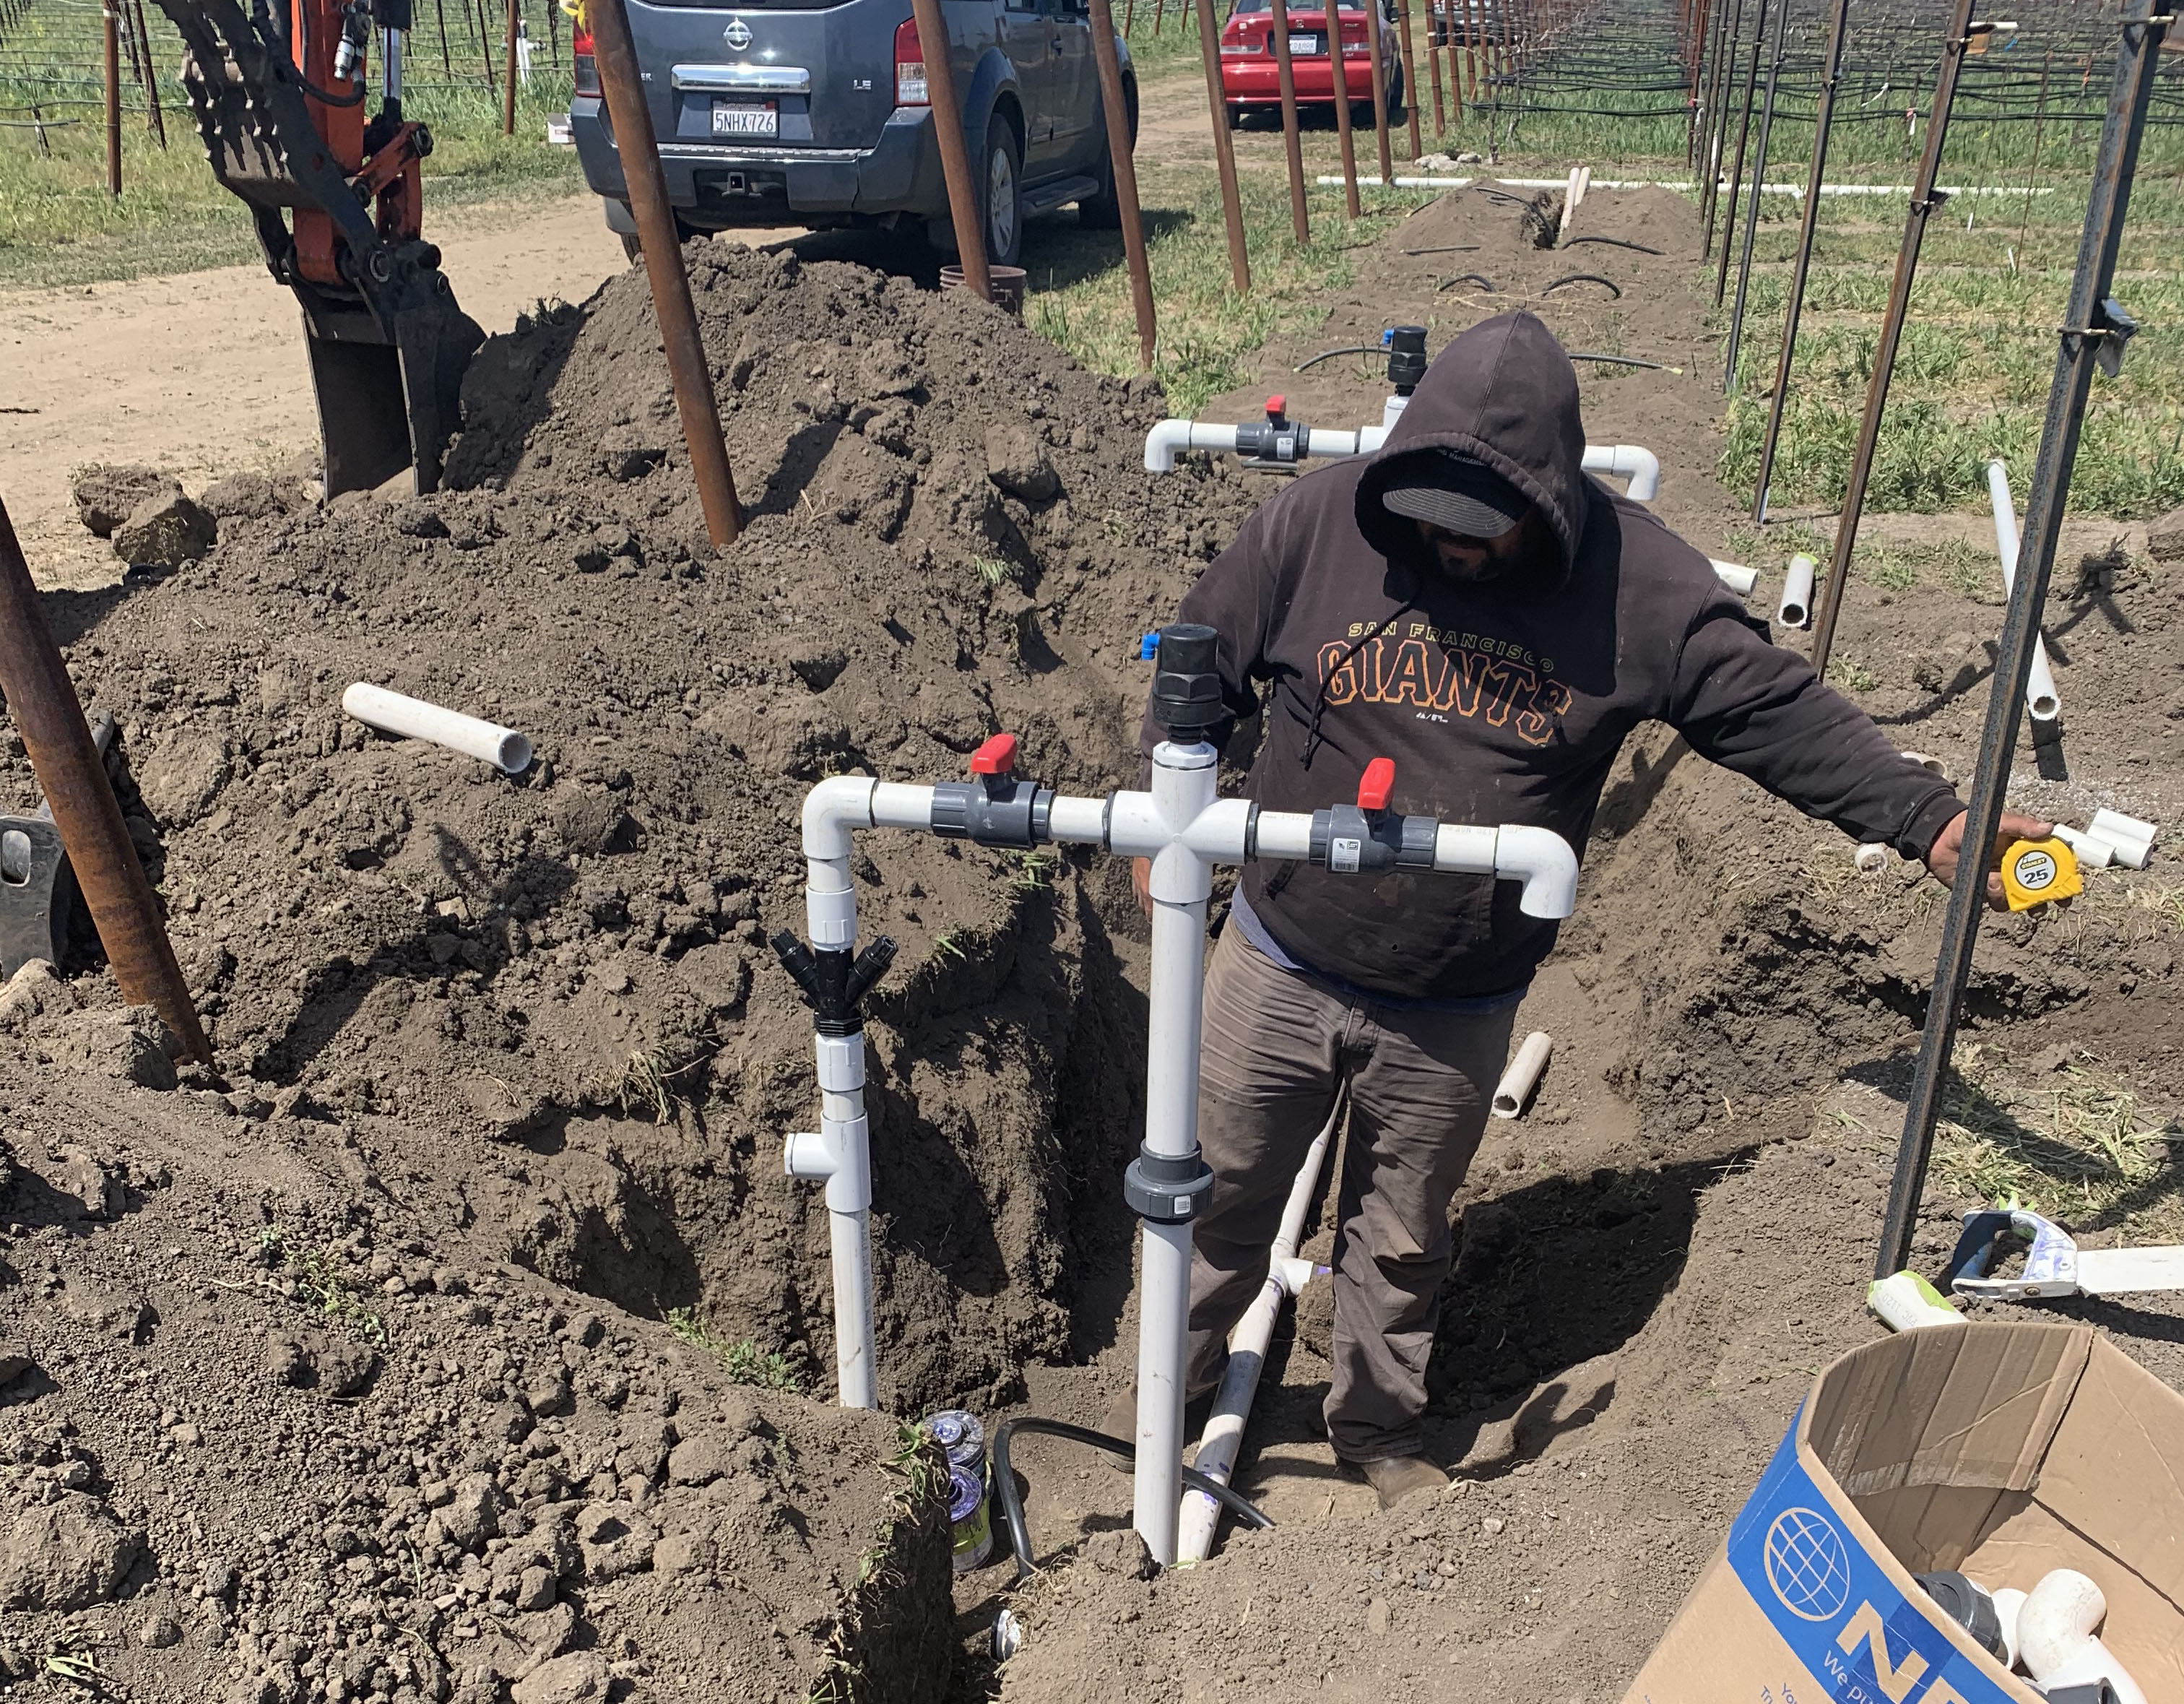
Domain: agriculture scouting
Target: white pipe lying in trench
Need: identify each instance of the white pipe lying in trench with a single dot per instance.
(1796, 608)
(2056, 1641)
(1171, 438)
(503, 748)
(1522, 1076)
(2039, 695)
(1223, 1440)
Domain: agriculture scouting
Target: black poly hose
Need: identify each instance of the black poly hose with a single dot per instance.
(1451, 248)
(1005, 1481)
(1635, 247)
(1479, 279)
(1584, 278)
(1625, 361)
(1329, 354)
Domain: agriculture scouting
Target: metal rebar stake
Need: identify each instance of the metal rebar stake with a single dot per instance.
(1758, 179)
(1823, 122)
(2093, 333)
(1743, 135)
(1924, 200)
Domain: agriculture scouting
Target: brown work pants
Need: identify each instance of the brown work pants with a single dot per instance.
(1277, 1048)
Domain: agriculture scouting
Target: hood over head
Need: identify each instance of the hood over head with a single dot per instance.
(1505, 394)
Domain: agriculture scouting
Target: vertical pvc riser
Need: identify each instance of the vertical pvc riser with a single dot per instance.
(1185, 782)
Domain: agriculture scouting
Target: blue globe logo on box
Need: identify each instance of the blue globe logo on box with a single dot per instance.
(1807, 1564)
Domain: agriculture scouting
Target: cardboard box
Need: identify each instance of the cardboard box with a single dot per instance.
(2000, 1451)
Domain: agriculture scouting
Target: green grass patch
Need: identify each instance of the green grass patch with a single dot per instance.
(743, 1362)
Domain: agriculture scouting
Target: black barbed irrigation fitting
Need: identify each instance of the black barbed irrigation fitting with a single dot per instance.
(1479, 278)
(833, 983)
(1614, 288)
(1614, 241)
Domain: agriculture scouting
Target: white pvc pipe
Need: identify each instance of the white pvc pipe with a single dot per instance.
(2093, 852)
(1871, 858)
(2040, 694)
(1735, 576)
(2056, 1640)
(2128, 840)
(1796, 608)
(1184, 780)
(503, 748)
(2009, 1605)
(1223, 1440)
(1522, 1076)
(1630, 461)
(1685, 186)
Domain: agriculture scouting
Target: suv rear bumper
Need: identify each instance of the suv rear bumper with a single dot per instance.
(715, 187)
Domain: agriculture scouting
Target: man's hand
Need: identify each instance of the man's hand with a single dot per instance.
(1947, 853)
(1141, 880)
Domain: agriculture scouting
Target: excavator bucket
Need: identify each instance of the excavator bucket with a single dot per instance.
(383, 407)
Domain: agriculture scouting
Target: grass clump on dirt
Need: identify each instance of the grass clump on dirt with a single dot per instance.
(2080, 1147)
(316, 1278)
(743, 1362)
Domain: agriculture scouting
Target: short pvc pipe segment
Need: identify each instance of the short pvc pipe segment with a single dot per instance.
(1795, 608)
(390, 712)
(1735, 576)
(2041, 698)
(1515, 1089)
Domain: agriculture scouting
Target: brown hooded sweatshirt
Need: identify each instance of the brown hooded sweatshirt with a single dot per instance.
(1503, 703)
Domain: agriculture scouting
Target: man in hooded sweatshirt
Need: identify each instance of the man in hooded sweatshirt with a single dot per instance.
(1467, 603)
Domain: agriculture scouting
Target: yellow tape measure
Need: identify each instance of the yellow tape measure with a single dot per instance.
(2036, 871)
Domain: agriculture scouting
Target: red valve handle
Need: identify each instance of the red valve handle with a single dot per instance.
(997, 756)
(1277, 407)
(1378, 782)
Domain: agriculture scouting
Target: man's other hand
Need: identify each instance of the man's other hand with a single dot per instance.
(1947, 851)
(1141, 880)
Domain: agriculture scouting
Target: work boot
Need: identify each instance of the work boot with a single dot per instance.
(1395, 1477)
(1121, 1421)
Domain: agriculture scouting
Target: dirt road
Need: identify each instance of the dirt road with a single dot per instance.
(204, 373)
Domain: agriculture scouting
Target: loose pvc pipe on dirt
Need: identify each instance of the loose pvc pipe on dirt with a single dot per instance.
(1735, 576)
(1796, 608)
(488, 741)
(2039, 695)
(1223, 1438)
(2056, 1640)
(2129, 841)
(1522, 1076)
(2093, 852)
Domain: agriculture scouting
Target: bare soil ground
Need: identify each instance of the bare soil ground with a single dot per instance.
(394, 1360)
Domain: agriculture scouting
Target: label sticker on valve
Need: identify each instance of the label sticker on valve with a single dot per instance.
(1342, 854)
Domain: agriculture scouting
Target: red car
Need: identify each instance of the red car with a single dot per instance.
(1250, 81)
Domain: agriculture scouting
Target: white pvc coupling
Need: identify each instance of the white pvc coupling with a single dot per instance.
(839, 1152)
(503, 748)
(1515, 1089)
(1630, 461)
(1543, 861)
(1796, 608)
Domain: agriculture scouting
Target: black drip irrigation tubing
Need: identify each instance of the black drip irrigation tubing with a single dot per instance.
(1013, 1511)
(1624, 361)
(1448, 249)
(1479, 278)
(1619, 243)
(1329, 354)
(1584, 278)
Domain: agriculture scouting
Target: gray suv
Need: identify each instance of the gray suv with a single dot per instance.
(817, 114)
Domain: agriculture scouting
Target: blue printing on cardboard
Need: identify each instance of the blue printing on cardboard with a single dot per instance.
(1834, 1607)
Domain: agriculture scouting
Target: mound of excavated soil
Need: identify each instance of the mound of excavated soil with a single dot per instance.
(492, 1049)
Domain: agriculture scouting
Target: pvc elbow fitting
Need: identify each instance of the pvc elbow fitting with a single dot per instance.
(2056, 1640)
(831, 809)
(1543, 861)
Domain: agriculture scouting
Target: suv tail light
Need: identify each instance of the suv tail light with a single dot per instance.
(587, 68)
(909, 66)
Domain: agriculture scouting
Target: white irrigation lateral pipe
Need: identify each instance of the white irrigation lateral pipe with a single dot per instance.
(2039, 695)
(503, 748)
(1522, 1076)
(1796, 608)
(1170, 439)
(1223, 1440)
(1685, 186)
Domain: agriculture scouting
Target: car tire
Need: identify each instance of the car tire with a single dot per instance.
(1396, 93)
(1104, 211)
(1234, 111)
(1000, 194)
(632, 248)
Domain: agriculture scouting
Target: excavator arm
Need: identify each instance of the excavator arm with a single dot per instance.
(279, 103)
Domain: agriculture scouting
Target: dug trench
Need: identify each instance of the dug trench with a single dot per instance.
(459, 1337)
